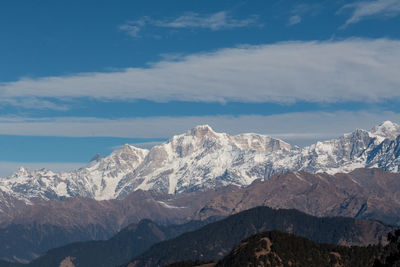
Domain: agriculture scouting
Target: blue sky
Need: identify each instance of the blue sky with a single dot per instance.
(84, 77)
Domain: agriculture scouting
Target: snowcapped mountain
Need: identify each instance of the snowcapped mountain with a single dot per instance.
(97, 180)
(201, 159)
(386, 129)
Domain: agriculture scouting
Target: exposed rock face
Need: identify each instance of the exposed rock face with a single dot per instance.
(202, 159)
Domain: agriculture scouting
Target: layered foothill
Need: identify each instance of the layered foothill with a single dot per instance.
(362, 193)
(216, 240)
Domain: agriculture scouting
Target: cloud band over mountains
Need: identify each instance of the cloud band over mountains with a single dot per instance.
(329, 71)
(295, 127)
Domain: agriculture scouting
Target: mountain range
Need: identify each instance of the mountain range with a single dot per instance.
(202, 240)
(31, 230)
(364, 194)
(216, 240)
(200, 175)
(202, 159)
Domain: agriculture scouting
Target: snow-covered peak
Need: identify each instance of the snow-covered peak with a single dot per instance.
(355, 134)
(126, 155)
(193, 160)
(260, 143)
(183, 145)
(201, 131)
(22, 170)
(25, 172)
(96, 158)
(202, 158)
(386, 129)
(204, 138)
(130, 149)
(98, 179)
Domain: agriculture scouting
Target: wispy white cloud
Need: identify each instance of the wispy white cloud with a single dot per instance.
(293, 20)
(132, 29)
(366, 9)
(302, 10)
(33, 103)
(298, 128)
(331, 71)
(217, 21)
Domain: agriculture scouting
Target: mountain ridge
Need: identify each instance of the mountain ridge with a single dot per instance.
(363, 193)
(202, 159)
(215, 240)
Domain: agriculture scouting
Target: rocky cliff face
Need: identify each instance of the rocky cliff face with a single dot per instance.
(202, 159)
